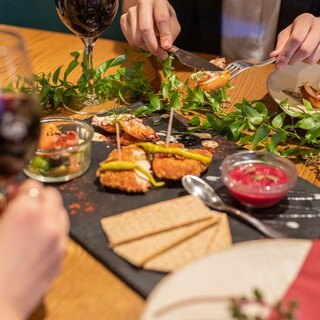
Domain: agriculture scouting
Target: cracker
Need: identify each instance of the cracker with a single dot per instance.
(222, 238)
(197, 246)
(155, 218)
(139, 251)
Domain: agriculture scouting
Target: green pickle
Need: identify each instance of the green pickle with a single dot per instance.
(47, 166)
(154, 148)
(40, 163)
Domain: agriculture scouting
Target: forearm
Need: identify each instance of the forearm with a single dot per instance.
(126, 4)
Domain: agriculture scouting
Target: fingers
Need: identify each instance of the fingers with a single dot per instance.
(150, 23)
(129, 26)
(147, 22)
(167, 24)
(44, 201)
(299, 42)
(53, 204)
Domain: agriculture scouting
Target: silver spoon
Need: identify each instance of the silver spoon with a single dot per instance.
(199, 188)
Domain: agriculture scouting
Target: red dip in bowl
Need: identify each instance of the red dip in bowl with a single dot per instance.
(258, 179)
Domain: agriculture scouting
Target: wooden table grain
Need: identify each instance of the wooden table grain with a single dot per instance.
(85, 289)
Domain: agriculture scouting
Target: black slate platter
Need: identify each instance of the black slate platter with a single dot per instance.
(88, 203)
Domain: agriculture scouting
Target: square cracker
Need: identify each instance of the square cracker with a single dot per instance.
(141, 250)
(214, 238)
(154, 218)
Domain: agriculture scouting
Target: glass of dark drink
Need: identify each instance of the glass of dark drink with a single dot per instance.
(19, 110)
(87, 19)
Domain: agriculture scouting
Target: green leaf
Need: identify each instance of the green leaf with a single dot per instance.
(76, 54)
(261, 134)
(143, 110)
(252, 115)
(112, 63)
(307, 105)
(155, 102)
(291, 110)
(276, 139)
(45, 90)
(215, 122)
(72, 65)
(57, 96)
(166, 89)
(198, 95)
(313, 134)
(236, 129)
(261, 108)
(55, 76)
(174, 100)
(309, 122)
(195, 121)
(278, 120)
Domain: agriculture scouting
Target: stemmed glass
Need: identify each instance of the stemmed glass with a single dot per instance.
(87, 19)
(19, 110)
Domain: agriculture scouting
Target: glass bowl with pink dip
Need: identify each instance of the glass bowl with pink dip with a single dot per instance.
(258, 179)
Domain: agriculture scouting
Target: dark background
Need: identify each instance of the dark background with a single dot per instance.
(41, 14)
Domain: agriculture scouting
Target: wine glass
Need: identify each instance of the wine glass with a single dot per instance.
(87, 19)
(19, 110)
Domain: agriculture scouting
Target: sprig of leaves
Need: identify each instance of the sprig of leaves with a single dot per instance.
(279, 310)
(245, 307)
(126, 84)
(249, 124)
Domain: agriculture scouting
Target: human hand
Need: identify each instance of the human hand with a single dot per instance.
(299, 42)
(34, 230)
(147, 21)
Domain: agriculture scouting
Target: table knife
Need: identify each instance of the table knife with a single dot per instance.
(193, 61)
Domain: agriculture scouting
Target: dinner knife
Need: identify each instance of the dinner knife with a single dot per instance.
(193, 61)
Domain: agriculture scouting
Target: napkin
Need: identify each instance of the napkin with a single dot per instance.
(167, 235)
(305, 289)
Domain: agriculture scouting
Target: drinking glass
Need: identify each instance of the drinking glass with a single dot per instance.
(87, 19)
(19, 110)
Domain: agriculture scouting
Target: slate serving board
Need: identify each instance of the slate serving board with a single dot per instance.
(88, 203)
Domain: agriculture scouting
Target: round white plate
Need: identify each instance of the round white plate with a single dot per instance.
(282, 83)
(195, 291)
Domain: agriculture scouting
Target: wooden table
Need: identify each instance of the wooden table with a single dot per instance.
(85, 289)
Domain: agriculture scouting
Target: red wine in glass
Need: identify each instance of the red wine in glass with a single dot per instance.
(19, 131)
(87, 19)
(19, 110)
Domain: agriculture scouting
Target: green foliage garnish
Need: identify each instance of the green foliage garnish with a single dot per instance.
(280, 311)
(250, 124)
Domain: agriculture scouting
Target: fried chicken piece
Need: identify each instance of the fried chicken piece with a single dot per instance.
(131, 181)
(174, 167)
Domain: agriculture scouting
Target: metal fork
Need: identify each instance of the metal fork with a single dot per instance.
(238, 66)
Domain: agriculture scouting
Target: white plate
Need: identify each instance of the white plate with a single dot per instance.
(192, 292)
(289, 79)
